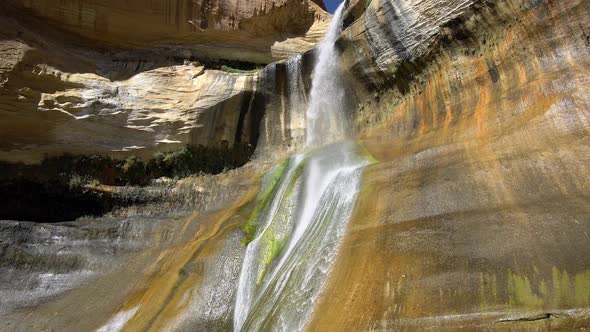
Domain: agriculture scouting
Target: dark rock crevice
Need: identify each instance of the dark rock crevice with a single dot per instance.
(68, 187)
(542, 316)
(53, 201)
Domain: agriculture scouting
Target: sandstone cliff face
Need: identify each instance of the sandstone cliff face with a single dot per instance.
(243, 30)
(57, 98)
(47, 110)
(111, 77)
(58, 95)
(475, 216)
(49, 266)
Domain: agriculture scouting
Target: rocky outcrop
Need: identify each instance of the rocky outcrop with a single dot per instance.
(58, 100)
(60, 96)
(237, 30)
(475, 214)
(118, 78)
(144, 264)
(158, 109)
(294, 46)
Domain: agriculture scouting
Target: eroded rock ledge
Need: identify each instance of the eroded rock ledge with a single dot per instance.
(140, 79)
(237, 30)
(137, 114)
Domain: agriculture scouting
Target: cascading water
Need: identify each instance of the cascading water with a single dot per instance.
(303, 210)
(325, 117)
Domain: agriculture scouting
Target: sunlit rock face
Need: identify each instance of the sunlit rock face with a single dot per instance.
(169, 257)
(58, 98)
(477, 214)
(48, 109)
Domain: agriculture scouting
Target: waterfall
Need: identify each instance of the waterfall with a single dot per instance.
(325, 117)
(296, 98)
(302, 211)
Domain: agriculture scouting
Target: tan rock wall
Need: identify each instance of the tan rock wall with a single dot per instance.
(243, 30)
(47, 110)
(477, 213)
(60, 94)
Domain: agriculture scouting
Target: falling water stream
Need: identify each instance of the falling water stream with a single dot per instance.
(303, 209)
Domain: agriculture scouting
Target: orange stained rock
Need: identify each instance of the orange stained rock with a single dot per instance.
(167, 290)
(464, 224)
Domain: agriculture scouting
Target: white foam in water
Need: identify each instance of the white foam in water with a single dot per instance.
(117, 323)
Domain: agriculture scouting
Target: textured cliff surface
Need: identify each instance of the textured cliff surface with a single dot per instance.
(57, 99)
(243, 30)
(477, 214)
(172, 269)
(129, 78)
(474, 217)
(49, 111)
(107, 87)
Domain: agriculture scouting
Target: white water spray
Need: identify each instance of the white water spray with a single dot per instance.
(325, 117)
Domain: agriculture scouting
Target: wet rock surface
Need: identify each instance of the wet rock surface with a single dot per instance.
(150, 259)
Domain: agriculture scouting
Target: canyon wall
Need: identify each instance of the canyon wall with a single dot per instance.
(477, 213)
(474, 214)
(83, 104)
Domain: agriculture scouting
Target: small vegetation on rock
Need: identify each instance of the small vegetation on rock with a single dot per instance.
(230, 66)
(249, 227)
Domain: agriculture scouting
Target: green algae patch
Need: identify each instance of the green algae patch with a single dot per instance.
(273, 240)
(267, 192)
(562, 291)
(488, 288)
(272, 247)
(296, 176)
(520, 292)
(363, 154)
(557, 290)
(582, 289)
(367, 154)
(570, 291)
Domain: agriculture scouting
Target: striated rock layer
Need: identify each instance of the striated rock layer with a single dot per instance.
(241, 30)
(474, 217)
(57, 98)
(61, 94)
(136, 269)
(477, 213)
